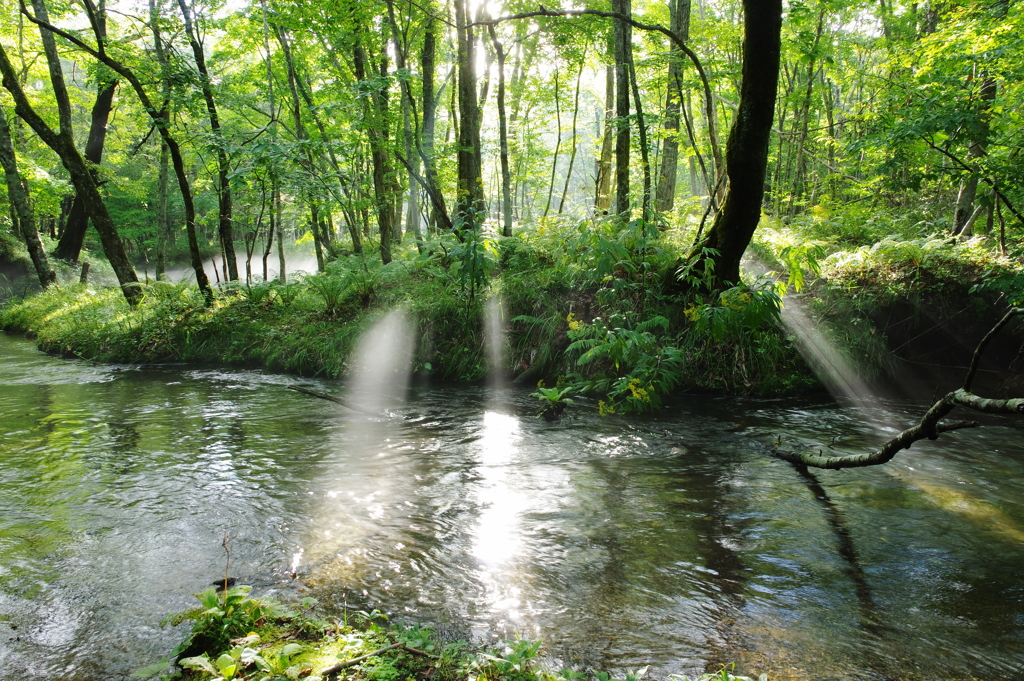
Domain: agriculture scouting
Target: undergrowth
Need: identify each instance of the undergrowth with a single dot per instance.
(578, 299)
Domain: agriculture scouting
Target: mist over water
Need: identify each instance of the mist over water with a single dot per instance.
(672, 540)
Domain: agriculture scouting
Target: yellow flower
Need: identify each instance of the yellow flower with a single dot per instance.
(574, 324)
(540, 383)
(639, 393)
(604, 409)
(691, 313)
(735, 301)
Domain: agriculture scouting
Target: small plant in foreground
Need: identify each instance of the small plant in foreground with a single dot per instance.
(723, 674)
(553, 401)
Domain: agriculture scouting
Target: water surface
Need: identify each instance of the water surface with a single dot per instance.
(674, 541)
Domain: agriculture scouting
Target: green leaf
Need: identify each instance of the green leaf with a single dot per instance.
(201, 662)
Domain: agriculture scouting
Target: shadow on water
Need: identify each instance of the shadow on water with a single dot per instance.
(869, 615)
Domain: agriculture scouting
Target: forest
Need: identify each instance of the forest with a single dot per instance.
(617, 206)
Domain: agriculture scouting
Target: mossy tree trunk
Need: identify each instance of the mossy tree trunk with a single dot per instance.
(21, 210)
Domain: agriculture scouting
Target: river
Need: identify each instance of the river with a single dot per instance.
(674, 540)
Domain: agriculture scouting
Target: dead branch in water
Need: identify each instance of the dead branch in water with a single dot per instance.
(330, 398)
(929, 426)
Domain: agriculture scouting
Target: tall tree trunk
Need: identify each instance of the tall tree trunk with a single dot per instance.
(282, 270)
(665, 196)
(375, 121)
(623, 48)
(314, 227)
(429, 106)
(412, 215)
(575, 141)
(506, 175)
(558, 145)
(163, 226)
(21, 210)
(469, 207)
(225, 227)
(747, 152)
(641, 127)
(603, 191)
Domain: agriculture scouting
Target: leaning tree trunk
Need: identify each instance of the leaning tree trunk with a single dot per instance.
(21, 210)
(70, 244)
(63, 144)
(747, 152)
(224, 221)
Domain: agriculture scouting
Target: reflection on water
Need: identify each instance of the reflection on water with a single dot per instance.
(672, 541)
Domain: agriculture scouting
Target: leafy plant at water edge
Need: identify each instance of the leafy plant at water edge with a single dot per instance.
(634, 367)
(724, 674)
(736, 310)
(553, 401)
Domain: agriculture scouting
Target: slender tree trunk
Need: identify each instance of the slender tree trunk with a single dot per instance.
(21, 210)
(666, 193)
(314, 226)
(163, 227)
(623, 47)
(641, 127)
(575, 141)
(558, 145)
(429, 106)
(747, 152)
(603, 194)
(282, 270)
(506, 175)
(374, 112)
(225, 226)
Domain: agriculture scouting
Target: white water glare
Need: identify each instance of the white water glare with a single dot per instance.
(382, 364)
(494, 343)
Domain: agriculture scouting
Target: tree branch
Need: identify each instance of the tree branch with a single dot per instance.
(987, 180)
(929, 426)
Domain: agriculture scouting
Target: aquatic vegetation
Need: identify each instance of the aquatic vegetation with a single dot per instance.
(283, 643)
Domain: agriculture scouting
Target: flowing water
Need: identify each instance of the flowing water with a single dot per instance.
(674, 541)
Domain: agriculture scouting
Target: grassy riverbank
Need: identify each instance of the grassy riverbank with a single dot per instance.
(233, 636)
(595, 307)
(587, 305)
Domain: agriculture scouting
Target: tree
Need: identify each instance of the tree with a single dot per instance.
(224, 221)
(62, 142)
(747, 147)
(21, 211)
(70, 244)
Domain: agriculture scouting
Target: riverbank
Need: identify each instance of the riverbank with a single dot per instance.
(571, 306)
(599, 323)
